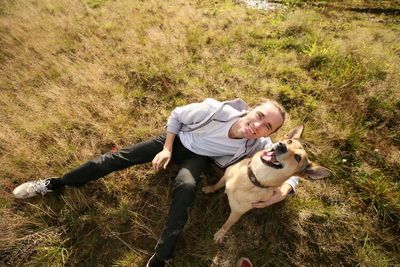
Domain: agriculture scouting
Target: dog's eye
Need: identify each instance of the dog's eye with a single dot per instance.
(297, 157)
(289, 141)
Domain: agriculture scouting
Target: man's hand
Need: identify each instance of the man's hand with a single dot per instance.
(279, 194)
(158, 160)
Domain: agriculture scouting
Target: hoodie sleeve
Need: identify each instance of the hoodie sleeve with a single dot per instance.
(187, 115)
(293, 182)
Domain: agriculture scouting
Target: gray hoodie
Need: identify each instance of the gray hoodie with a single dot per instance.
(195, 117)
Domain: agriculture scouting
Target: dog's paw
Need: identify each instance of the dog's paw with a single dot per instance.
(208, 189)
(219, 235)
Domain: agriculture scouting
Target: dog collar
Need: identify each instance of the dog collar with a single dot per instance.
(253, 177)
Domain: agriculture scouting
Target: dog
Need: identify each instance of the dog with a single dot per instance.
(254, 179)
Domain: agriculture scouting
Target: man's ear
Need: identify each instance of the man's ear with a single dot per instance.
(295, 133)
(315, 172)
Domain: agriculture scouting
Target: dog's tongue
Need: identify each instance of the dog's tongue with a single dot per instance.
(269, 156)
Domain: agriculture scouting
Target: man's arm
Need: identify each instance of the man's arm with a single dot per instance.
(187, 115)
(280, 193)
(166, 154)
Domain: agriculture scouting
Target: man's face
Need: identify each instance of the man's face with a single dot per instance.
(260, 121)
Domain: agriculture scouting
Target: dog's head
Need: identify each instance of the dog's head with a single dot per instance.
(287, 158)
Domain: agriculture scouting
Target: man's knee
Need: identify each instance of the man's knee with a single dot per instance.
(185, 181)
(188, 189)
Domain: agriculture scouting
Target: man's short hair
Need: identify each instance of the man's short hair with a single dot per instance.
(280, 108)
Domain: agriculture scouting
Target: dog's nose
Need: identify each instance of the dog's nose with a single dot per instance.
(281, 147)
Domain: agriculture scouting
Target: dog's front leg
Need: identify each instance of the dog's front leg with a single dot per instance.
(213, 188)
(233, 218)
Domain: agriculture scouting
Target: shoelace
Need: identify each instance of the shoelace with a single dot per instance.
(39, 187)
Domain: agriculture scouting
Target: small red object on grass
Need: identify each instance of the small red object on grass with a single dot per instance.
(244, 262)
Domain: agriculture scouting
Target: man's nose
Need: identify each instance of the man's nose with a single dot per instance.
(257, 125)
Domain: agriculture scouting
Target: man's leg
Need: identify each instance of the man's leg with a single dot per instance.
(113, 161)
(96, 168)
(182, 200)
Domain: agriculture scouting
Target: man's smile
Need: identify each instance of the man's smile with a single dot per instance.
(250, 128)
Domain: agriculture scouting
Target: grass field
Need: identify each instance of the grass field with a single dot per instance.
(80, 77)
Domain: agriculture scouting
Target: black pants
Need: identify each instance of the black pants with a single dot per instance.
(191, 166)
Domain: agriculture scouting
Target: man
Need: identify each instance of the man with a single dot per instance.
(196, 133)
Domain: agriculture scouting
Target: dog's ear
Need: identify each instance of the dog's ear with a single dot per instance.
(315, 172)
(296, 132)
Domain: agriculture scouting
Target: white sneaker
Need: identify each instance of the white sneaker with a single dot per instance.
(31, 189)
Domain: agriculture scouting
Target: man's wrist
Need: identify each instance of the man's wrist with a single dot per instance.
(286, 188)
(169, 149)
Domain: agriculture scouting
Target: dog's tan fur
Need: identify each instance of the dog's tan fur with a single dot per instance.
(242, 192)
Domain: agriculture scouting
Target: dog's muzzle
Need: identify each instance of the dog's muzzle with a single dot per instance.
(280, 147)
(269, 158)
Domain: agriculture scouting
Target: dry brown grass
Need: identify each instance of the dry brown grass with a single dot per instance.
(78, 78)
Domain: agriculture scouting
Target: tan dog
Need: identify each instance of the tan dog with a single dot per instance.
(253, 179)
